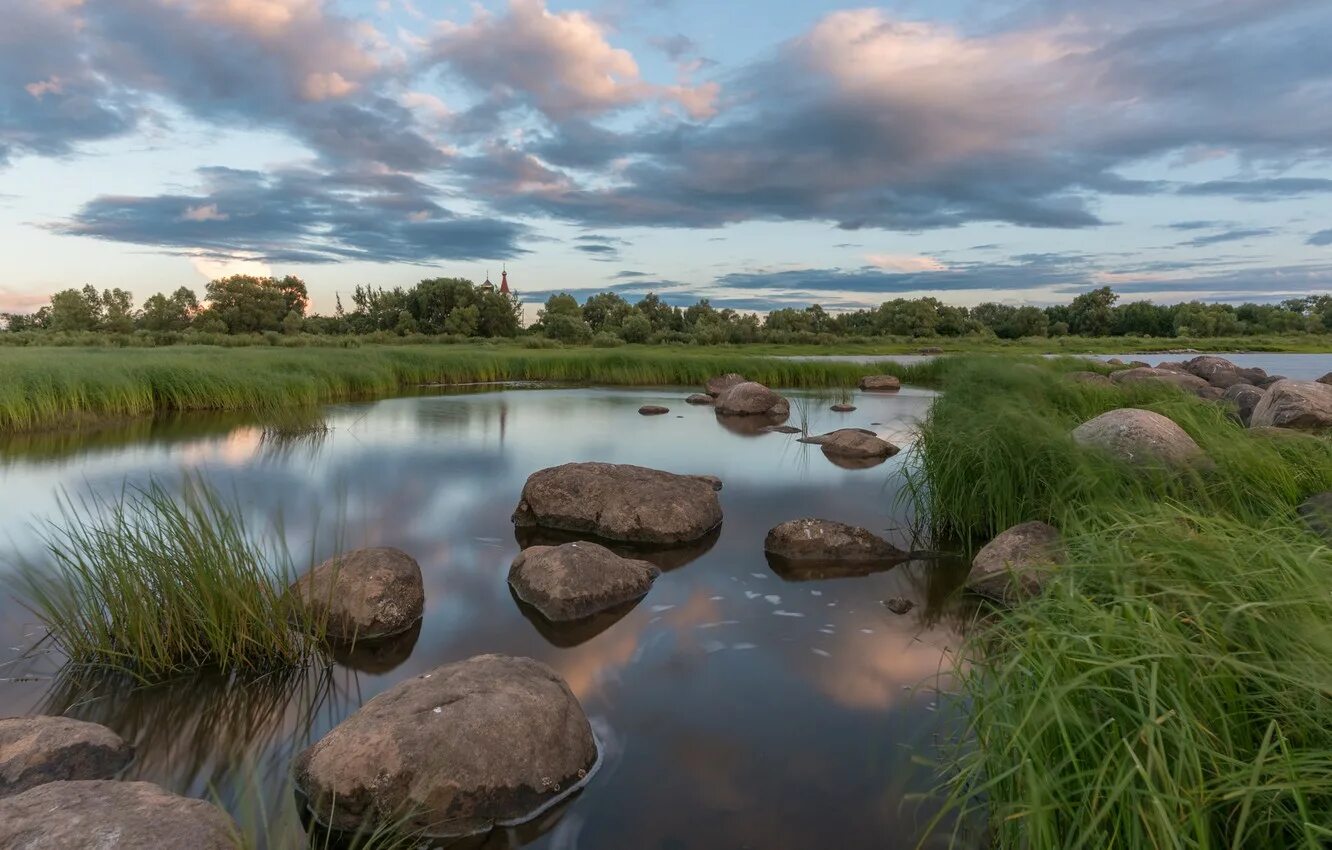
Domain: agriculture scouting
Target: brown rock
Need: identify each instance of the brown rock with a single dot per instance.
(699, 398)
(751, 399)
(842, 408)
(1179, 379)
(1090, 378)
(653, 410)
(1138, 436)
(898, 604)
(1173, 366)
(577, 580)
(620, 502)
(1245, 397)
(1326, 379)
(490, 740)
(1210, 368)
(1210, 392)
(888, 383)
(1295, 404)
(365, 593)
(1017, 564)
(104, 814)
(715, 386)
(827, 540)
(853, 442)
(780, 429)
(40, 749)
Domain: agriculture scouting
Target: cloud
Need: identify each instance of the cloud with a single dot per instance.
(17, 301)
(298, 215)
(675, 46)
(627, 273)
(1322, 237)
(1233, 235)
(904, 262)
(1268, 189)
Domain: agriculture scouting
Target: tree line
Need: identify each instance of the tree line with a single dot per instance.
(243, 304)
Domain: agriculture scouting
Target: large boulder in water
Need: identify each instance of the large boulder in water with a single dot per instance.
(1017, 564)
(1245, 397)
(1138, 436)
(881, 383)
(365, 593)
(853, 443)
(577, 580)
(716, 386)
(490, 740)
(102, 814)
(41, 749)
(1182, 380)
(621, 502)
(1294, 404)
(824, 540)
(752, 399)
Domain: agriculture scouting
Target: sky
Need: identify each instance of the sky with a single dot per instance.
(759, 154)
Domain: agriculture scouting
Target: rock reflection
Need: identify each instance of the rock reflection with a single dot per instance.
(750, 426)
(570, 633)
(377, 656)
(664, 558)
(852, 462)
(806, 570)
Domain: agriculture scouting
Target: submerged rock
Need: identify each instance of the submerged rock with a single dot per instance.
(653, 410)
(490, 740)
(699, 398)
(1316, 511)
(854, 443)
(898, 604)
(102, 814)
(811, 539)
(752, 399)
(40, 749)
(1182, 380)
(1017, 564)
(715, 386)
(1295, 404)
(779, 429)
(1138, 436)
(621, 502)
(880, 383)
(365, 593)
(577, 580)
(1245, 397)
(842, 408)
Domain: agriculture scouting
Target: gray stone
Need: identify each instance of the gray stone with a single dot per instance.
(1326, 379)
(106, 814)
(812, 539)
(486, 741)
(853, 442)
(620, 502)
(1245, 397)
(1180, 379)
(1017, 564)
(577, 580)
(1209, 367)
(39, 749)
(880, 383)
(365, 593)
(751, 399)
(1295, 404)
(1211, 393)
(1138, 436)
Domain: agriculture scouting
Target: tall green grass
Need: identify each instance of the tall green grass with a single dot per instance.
(155, 584)
(1172, 689)
(52, 388)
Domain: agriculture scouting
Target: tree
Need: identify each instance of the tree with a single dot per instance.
(117, 311)
(1141, 318)
(606, 310)
(75, 310)
(248, 304)
(635, 327)
(1090, 313)
(463, 321)
(169, 312)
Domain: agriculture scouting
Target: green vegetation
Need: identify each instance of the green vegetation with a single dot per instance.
(155, 584)
(1172, 688)
(44, 388)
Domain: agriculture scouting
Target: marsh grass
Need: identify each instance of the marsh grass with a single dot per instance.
(1172, 688)
(156, 583)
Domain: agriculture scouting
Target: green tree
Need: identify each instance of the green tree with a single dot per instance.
(463, 321)
(76, 310)
(248, 304)
(635, 327)
(606, 310)
(1091, 314)
(169, 312)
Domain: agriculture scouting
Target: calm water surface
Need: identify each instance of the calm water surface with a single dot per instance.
(738, 708)
(1304, 367)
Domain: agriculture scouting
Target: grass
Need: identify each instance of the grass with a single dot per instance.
(155, 584)
(1172, 688)
(60, 388)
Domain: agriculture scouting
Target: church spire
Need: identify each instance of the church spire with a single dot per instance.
(504, 281)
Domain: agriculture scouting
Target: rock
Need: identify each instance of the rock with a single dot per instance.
(653, 410)
(1295, 404)
(1172, 366)
(842, 408)
(1265, 383)
(898, 604)
(1114, 361)
(880, 382)
(40, 749)
(780, 429)
(1140, 364)
(365, 593)
(1210, 393)
(1138, 436)
(577, 580)
(1245, 397)
(1090, 378)
(620, 502)
(490, 740)
(853, 442)
(1017, 564)
(1326, 379)
(827, 540)
(1179, 379)
(104, 814)
(699, 398)
(1208, 367)
(751, 399)
(1316, 511)
(715, 386)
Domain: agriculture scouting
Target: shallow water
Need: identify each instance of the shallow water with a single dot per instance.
(738, 708)
(1303, 367)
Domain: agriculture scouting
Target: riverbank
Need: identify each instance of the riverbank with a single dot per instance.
(1171, 687)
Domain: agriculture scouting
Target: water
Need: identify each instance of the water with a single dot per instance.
(1304, 367)
(737, 708)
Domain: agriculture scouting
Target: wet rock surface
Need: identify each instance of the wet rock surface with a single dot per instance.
(577, 580)
(491, 740)
(811, 539)
(365, 593)
(1017, 564)
(1139, 437)
(40, 749)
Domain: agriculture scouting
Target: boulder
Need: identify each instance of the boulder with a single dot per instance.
(620, 502)
(889, 383)
(1210, 393)
(1138, 436)
(1114, 361)
(1316, 511)
(1017, 564)
(365, 593)
(102, 814)
(898, 604)
(1295, 404)
(1209, 367)
(827, 540)
(1090, 378)
(486, 741)
(40, 749)
(842, 408)
(1265, 383)
(1245, 397)
(853, 442)
(653, 410)
(715, 386)
(1182, 380)
(1172, 366)
(1326, 379)
(699, 398)
(751, 399)
(577, 580)
(780, 429)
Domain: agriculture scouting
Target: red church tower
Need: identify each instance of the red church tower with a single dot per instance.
(504, 282)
